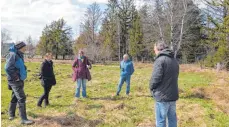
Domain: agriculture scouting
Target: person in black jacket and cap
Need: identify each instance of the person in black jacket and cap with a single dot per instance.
(47, 79)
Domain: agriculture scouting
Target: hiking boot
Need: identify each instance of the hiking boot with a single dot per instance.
(46, 103)
(39, 103)
(39, 106)
(22, 112)
(27, 122)
(11, 117)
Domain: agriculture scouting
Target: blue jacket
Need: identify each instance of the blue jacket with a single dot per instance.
(15, 67)
(127, 68)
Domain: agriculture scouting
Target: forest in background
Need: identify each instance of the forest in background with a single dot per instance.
(194, 34)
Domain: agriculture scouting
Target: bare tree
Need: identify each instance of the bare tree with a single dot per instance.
(30, 47)
(5, 36)
(176, 13)
(92, 20)
(158, 13)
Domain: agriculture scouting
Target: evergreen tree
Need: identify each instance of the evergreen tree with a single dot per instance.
(136, 35)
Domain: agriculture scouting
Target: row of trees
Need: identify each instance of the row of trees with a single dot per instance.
(125, 29)
(6, 38)
(193, 34)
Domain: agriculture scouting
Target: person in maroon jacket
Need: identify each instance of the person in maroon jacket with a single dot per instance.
(81, 73)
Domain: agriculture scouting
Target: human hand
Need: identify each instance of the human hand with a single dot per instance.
(17, 80)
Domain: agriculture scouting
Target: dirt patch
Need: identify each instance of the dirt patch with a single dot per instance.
(115, 107)
(119, 106)
(65, 121)
(199, 93)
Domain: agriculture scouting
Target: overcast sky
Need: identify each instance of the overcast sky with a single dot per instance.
(28, 17)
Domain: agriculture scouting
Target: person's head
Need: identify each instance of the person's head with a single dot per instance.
(159, 46)
(125, 57)
(81, 53)
(20, 46)
(48, 56)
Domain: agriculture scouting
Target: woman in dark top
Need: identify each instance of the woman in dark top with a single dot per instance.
(47, 79)
(81, 73)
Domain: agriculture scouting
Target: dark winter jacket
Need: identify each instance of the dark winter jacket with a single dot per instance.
(164, 81)
(80, 69)
(15, 67)
(47, 75)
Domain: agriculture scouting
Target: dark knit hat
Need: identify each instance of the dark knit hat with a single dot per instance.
(20, 45)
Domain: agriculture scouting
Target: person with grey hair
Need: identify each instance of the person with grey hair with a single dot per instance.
(164, 85)
(127, 69)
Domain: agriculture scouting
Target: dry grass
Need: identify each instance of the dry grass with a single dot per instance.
(217, 91)
(191, 113)
(63, 120)
(203, 101)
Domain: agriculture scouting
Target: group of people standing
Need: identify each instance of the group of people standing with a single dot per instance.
(16, 74)
(163, 83)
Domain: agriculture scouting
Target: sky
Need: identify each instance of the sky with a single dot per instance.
(28, 17)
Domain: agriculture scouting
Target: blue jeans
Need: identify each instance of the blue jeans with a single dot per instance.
(166, 110)
(78, 86)
(121, 82)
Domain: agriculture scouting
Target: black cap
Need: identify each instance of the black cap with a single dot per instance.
(20, 45)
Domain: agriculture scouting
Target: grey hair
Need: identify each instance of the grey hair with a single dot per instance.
(126, 55)
(160, 45)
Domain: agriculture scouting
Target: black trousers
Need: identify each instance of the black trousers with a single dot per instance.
(45, 95)
(18, 94)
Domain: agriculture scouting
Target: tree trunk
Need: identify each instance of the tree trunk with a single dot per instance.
(181, 30)
(56, 51)
(56, 57)
(159, 25)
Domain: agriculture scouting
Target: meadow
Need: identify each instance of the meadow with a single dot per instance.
(204, 98)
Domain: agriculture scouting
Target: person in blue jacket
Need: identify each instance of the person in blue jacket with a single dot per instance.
(127, 69)
(16, 74)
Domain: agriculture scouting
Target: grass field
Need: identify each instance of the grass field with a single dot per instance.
(204, 99)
